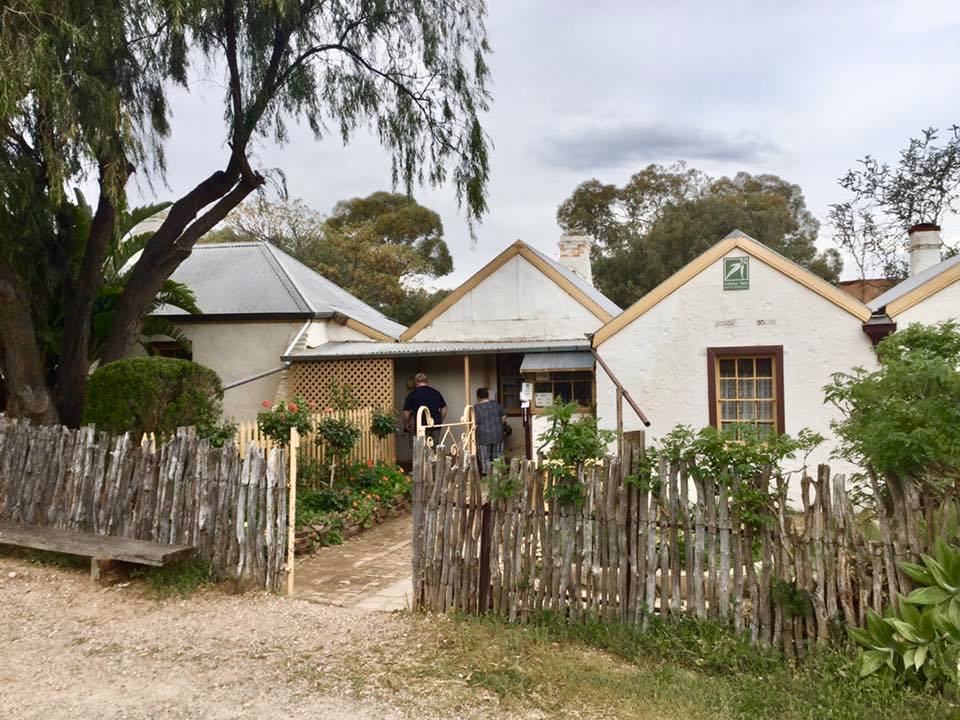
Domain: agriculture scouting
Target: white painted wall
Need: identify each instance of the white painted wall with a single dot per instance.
(516, 302)
(237, 350)
(942, 305)
(661, 357)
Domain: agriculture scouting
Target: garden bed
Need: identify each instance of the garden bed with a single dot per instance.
(361, 496)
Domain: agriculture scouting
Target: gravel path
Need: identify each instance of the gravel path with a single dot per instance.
(71, 650)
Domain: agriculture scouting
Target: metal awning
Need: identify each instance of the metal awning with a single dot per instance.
(563, 361)
(360, 349)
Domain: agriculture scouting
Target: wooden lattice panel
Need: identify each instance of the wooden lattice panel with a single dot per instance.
(371, 380)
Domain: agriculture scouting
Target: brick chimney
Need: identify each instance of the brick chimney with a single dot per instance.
(575, 255)
(924, 247)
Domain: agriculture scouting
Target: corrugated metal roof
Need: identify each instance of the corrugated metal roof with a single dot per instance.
(254, 278)
(911, 283)
(577, 360)
(589, 290)
(385, 349)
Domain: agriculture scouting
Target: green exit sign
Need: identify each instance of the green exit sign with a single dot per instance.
(736, 273)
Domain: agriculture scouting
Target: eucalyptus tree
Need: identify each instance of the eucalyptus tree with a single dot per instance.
(84, 94)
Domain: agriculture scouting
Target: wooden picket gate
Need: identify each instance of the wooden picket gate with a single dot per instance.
(679, 546)
(233, 509)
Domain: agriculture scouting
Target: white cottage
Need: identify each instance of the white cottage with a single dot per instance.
(523, 318)
(740, 334)
(257, 304)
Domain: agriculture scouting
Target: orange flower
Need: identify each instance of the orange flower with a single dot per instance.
(292, 407)
(266, 403)
(369, 463)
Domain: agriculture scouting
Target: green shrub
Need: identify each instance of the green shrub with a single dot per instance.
(383, 423)
(155, 394)
(278, 419)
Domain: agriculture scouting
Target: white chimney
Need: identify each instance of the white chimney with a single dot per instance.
(575, 255)
(924, 247)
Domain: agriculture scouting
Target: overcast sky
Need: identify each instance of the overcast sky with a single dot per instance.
(601, 89)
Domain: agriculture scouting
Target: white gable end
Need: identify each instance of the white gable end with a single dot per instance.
(515, 302)
(942, 305)
(661, 355)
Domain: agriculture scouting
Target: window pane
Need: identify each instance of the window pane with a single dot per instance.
(729, 428)
(563, 390)
(747, 411)
(728, 389)
(745, 389)
(765, 411)
(543, 387)
(583, 393)
(727, 368)
(561, 376)
(728, 411)
(765, 429)
(765, 367)
(765, 389)
(745, 367)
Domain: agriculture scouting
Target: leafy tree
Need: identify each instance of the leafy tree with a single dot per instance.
(888, 201)
(83, 90)
(665, 216)
(378, 247)
(901, 422)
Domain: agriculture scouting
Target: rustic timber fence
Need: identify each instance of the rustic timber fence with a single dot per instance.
(233, 509)
(677, 545)
(368, 447)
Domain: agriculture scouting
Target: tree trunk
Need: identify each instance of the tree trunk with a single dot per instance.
(27, 393)
(170, 245)
(81, 294)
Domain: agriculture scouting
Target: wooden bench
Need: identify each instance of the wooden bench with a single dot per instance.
(101, 549)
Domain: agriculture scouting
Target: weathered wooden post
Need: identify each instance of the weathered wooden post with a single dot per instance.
(292, 505)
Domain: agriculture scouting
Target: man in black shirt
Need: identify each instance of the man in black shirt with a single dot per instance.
(423, 395)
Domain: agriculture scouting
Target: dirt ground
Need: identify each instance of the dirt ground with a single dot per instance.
(72, 650)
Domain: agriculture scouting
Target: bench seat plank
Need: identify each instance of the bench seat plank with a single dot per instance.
(102, 547)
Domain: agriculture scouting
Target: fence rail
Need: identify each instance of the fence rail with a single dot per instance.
(680, 546)
(369, 446)
(232, 507)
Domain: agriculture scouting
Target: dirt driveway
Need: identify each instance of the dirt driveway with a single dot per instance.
(70, 650)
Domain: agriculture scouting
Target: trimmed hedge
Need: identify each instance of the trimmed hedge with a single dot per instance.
(154, 394)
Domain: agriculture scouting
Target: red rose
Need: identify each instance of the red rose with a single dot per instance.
(292, 407)
(266, 403)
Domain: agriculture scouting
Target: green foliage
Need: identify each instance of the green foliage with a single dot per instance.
(663, 217)
(502, 485)
(279, 418)
(177, 580)
(383, 423)
(155, 394)
(571, 444)
(748, 463)
(918, 641)
(361, 491)
(794, 600)
(903, 419)
(338, 435)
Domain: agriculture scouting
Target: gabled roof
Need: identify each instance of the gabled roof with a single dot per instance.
(257, 278)
(575, 286)
(741, 241)
(353, 349)
(916, 288)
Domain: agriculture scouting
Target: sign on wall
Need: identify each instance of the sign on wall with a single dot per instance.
(736, 273)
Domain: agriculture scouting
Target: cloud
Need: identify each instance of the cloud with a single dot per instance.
(592, 147)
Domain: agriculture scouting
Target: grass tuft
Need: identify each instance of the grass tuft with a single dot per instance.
(181, 579)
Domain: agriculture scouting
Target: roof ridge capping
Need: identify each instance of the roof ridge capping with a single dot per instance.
(737, 239)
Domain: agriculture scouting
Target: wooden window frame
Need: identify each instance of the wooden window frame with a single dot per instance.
(537, 410)
(774, 351)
